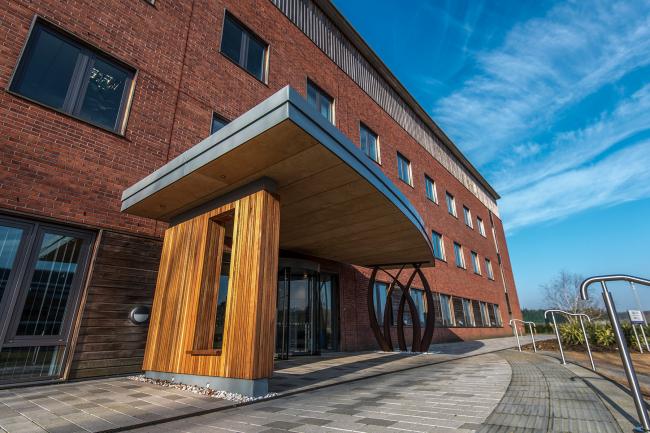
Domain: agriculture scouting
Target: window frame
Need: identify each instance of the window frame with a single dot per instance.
(216, 115)
(91, 52)
(488, 269)
(452, 209)
(443, 256)
(451, 322)
(429, 181)
(467, 215)
(247, 33)
(401, 157)
(476, 263)
(481, 226)
(363, 126)
(321, 94)
(459, 253)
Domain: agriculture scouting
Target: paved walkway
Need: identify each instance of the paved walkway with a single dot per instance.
(451, 397)
(105, 404)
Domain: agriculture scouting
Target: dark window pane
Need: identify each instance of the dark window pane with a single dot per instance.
(46, 69)
(255, 58)
(49, 288)
(231, 40)
(103, 98)
(35, 362)
(320, 100)
(222, 300)
(9, 242)
(217, 123)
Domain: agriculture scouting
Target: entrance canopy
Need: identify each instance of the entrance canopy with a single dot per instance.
(335, 202)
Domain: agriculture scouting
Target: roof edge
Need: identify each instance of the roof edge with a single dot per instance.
(360, 44)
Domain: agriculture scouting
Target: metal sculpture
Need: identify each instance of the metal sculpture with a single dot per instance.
(582, 326)
(620, 339)
(421, 340)
(531, 325)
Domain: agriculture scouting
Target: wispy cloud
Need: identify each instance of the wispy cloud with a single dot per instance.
(523, 88)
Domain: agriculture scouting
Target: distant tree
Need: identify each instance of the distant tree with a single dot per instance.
(563, 293)
(533, 315)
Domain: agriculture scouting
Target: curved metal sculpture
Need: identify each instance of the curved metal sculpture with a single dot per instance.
(620, 339)
(531, 326)
(421, 341)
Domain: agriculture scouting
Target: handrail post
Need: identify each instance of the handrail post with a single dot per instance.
(627, 361)
(532, 335)
(559, 341)
(645, 339)
(636, 336)
(514, 328)
(584, 332)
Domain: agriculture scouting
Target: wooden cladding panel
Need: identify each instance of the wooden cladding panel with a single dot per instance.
(124, 276)
(190, 262)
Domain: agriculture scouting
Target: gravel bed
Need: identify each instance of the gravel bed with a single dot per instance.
(209, 392)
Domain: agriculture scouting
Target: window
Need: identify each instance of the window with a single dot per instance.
(491, 314)
(458, 253)
(467, 312)
(468, 217)
(445, 309)
(481, 226)
(476, 310)
(438, 246)
(369, 142)
(381, 290)
(485, 318)
(497, 315)
(459, 315)
(476, 265)
(218, 122)
(451, 204)
(430, 189)
(321, 101)
(404, 169)
(62, 73)
(244, 48)
(488, 269)
(418, 299)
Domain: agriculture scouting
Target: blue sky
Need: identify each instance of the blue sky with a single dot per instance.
(551, 101)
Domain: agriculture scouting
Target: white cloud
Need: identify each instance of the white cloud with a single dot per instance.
(544, 65)
(618, 178)
(524, 87)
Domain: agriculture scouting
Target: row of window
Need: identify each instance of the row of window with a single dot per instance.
(459, 256)
(467, 214)
(449, 311)
(59, 71)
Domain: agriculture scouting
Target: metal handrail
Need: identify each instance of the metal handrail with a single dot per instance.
(582, 326)
(620, 339)
(531, 325)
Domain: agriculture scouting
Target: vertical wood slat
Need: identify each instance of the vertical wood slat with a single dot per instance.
(189, 262)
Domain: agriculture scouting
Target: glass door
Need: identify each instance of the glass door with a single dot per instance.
(328, 332)
(42, 269)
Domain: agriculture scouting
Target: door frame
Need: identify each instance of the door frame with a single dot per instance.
(18, 284)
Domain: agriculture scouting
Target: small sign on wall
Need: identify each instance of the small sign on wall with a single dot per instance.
(636, 317)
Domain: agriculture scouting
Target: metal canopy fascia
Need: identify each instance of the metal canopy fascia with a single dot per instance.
(286, 104)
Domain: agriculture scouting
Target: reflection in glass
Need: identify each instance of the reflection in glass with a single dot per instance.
(9, 243)
(328, 312)
(103, 98)
(46, 69)
(381, 291)
(49, 288)
(35, 362)
(222, 300)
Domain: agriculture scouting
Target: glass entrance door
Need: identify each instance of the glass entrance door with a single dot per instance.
(307, 315)
(41, 272)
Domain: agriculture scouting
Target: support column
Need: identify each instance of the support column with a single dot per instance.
(180, 340)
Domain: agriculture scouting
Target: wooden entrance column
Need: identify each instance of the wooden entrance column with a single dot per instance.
(181, 332)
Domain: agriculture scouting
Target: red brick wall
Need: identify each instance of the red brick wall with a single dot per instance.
(63, 168)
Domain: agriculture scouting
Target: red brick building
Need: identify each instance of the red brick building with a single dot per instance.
(96, 96)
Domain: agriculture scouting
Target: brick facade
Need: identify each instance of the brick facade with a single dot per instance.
(58, 167)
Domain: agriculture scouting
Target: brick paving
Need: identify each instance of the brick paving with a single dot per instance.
(450, 397)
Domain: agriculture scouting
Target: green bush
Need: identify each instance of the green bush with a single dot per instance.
(571, 333)
(602, 335)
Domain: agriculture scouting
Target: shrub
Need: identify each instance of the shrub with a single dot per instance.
(602, 335)
(571, 333)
